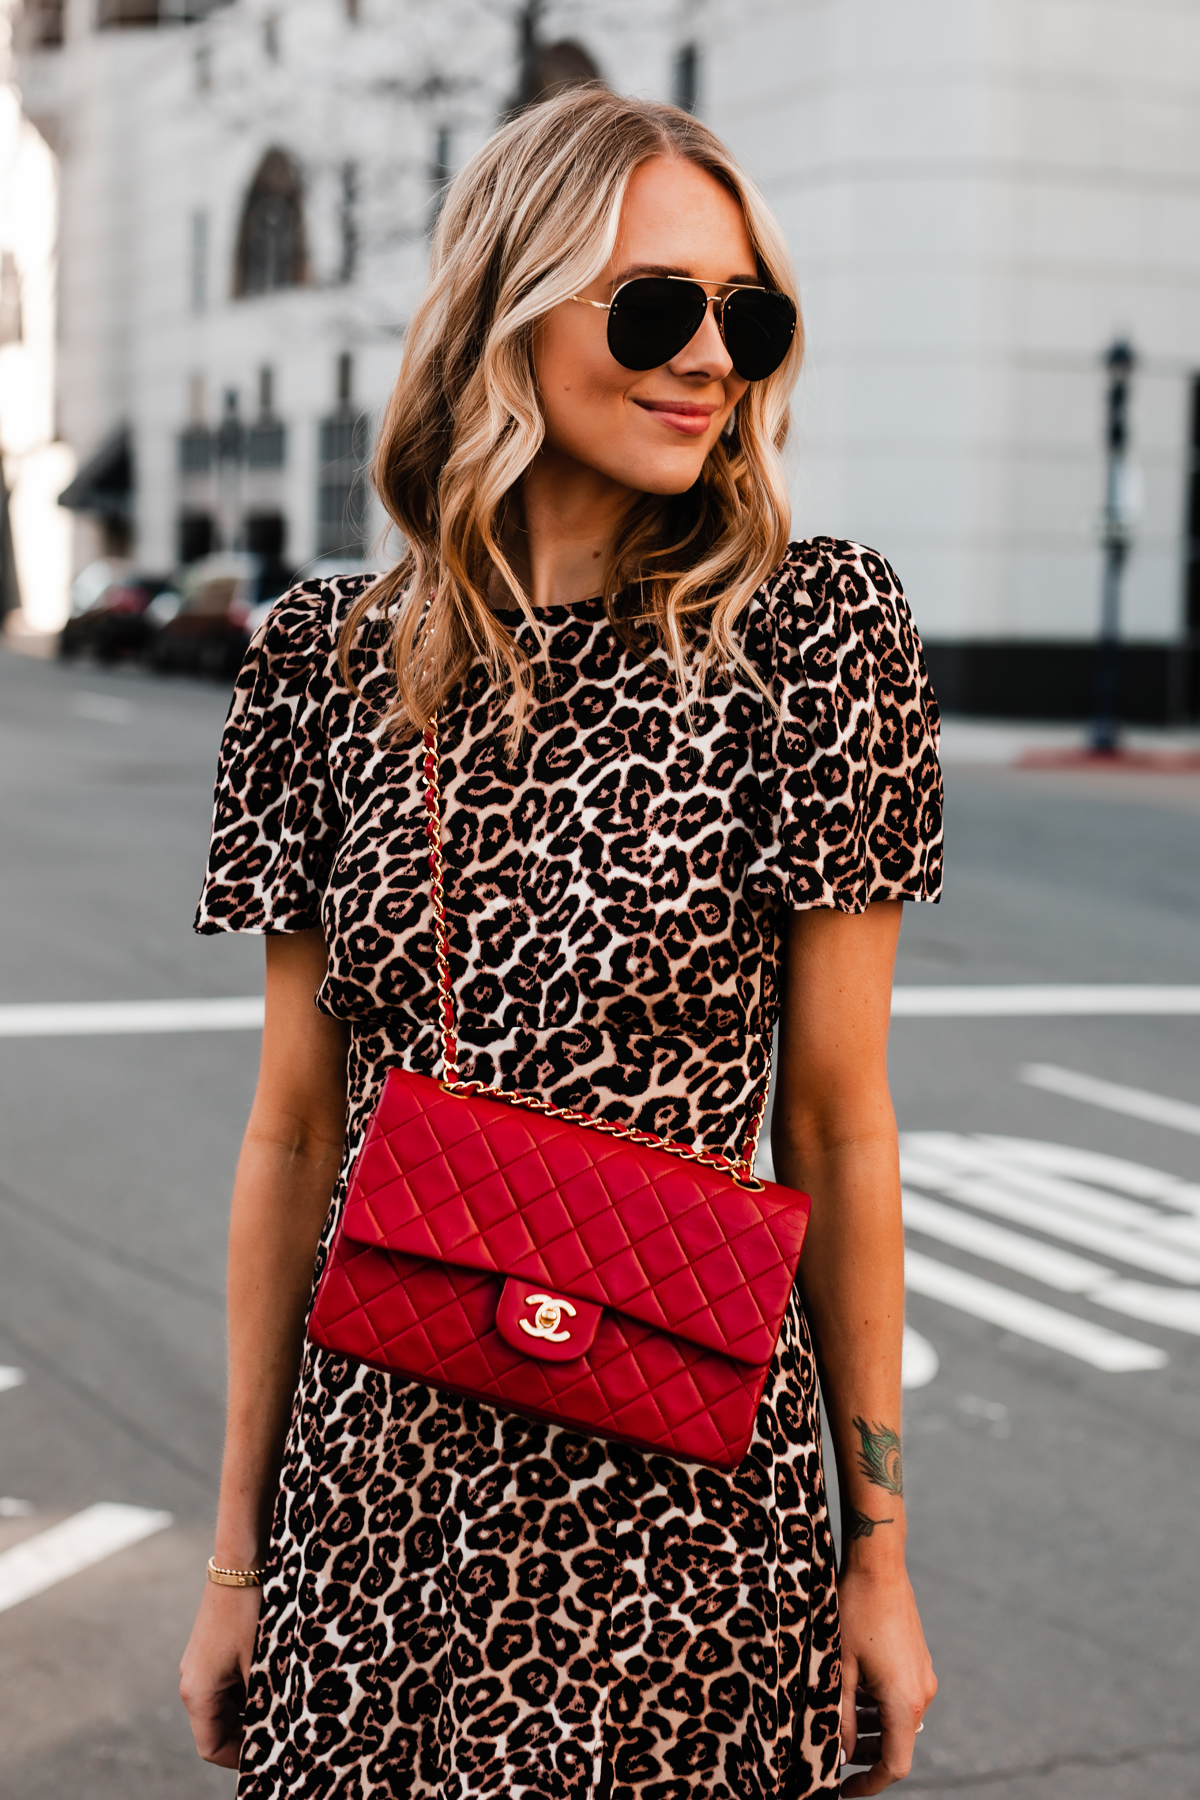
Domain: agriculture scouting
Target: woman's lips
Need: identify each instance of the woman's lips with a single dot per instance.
(689, 417)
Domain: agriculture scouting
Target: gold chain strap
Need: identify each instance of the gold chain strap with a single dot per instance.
(742, 1170)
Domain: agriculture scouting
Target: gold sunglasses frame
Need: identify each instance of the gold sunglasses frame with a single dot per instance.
(717, 300)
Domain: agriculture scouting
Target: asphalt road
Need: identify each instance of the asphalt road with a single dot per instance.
(1054, 1537)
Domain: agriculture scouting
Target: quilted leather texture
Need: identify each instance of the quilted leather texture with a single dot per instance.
(451, 1195)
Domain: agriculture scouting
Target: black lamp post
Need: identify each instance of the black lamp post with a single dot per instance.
(1106, 687)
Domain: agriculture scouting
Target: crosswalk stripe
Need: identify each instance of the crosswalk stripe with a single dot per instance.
(1042, 1001)
(1057, 1268)
(1024, 1200)
(1096, 1167)
(106, 1017)
(1090, 1176)
(918, 1360)
(930, 1158)
(1032, 1319)
(86, 1538)
(1157, 1259)
(1137, 1103)
(1176, 1309)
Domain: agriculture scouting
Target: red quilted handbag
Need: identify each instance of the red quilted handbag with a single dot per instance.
(555, 1264)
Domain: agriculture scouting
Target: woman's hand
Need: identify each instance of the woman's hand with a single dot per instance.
(887, 1677)
(216, 1669)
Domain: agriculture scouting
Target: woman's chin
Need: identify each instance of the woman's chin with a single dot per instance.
(672, 472)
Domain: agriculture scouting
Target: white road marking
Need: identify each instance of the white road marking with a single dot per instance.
(945, 1165)
(1058, 1192)
(1106, 1171)
(95, 1018)
(103, 709)
(1093, 1344)
(10, 1377)
(245, 1013)
(90, 1536)
(1043, 1262)
(1049, 1001)
(918, 1360)
(1180, 1115)
(1002, 1198)
(1176, 1309)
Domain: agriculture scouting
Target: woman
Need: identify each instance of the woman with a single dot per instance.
(688, 774)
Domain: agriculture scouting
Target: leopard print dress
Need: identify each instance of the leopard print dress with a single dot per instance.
(463, 1603)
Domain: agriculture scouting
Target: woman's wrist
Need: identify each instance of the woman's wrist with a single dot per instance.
(240, 1542)
(873, 1539)
(878, 1561)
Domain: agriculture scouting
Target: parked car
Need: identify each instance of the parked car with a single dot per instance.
(322, 569)
(203, 625)
(115, 624)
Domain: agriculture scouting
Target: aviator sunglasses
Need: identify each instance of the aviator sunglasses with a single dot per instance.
(652, 318)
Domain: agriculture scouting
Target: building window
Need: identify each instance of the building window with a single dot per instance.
(115, 14)
(196, 536)
(343, 446)
(687, 77)
(195, 450)
(120, 14)
(202, 68)
(266, 440)
(266, 535)
(548, 69)
(199, 269)
(271, 252)
(11, 331)
(349, 221)
(441, 171)
(352, 11)
(230, 435)
(43, 20)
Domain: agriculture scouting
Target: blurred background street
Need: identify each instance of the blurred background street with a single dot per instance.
(214, 224)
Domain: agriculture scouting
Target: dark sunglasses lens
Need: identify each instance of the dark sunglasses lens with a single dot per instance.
(651, 320)
(759, 327)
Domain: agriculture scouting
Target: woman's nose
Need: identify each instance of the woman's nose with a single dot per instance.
(705, 354)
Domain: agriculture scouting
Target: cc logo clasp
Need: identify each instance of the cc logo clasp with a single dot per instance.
(547, 1318)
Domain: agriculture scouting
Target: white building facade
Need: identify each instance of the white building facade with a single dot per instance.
(35, 533)
(981, 196)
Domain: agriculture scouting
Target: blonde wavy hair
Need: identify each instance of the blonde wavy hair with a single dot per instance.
(531, 220)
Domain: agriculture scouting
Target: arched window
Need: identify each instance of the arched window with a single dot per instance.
(549, 69)
(271, 251)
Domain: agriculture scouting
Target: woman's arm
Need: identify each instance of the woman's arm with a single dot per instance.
(285, 1177)
(834, 1136)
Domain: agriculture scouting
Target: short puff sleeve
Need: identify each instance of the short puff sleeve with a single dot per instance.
(851, 780)
(276, 816)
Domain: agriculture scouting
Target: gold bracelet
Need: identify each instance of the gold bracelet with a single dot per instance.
(234, 1577)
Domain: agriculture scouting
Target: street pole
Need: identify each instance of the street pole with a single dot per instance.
(1106, 680)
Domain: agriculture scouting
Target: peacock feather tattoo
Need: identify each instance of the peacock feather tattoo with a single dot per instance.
(879, 1458)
